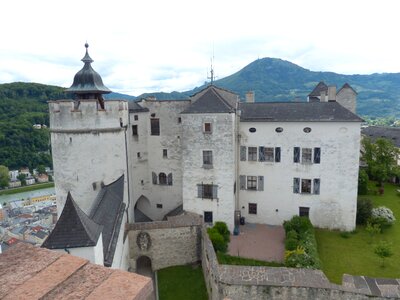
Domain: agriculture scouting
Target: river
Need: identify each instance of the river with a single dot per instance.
(26, 195)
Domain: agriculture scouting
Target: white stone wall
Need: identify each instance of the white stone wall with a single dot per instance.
(335, 207)
(93, 254)
(152, 160)
(222, 143)
(88, 147)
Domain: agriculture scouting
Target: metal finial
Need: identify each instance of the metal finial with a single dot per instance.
(86, 45)
(87, 58)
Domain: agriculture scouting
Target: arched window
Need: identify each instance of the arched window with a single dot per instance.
(162, 178)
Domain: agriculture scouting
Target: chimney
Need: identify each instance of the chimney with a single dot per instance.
(250, 97)
(323, 96)
(332, 93)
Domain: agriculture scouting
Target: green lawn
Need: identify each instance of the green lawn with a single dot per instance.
(355, 255)
(182, 282)
(27, 188)
(225, 259)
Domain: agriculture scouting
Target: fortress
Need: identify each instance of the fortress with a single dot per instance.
(122, 162)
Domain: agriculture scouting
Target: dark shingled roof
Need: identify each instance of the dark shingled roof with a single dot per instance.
(136, 107)
(107, 210)
(321, 86)
(73, 229)
(346, 86)
(296, 112)
(210, 100)
(376, 132)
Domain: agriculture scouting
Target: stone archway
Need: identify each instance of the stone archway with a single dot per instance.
(143, 266)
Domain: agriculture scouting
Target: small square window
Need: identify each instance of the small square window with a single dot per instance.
(253, 208)
(138, 155)
(136, 117)
(159, 205)
(208, 217)
(304, 211)
(252, 183)
(207, 128)
(306, 155)
(306, 186)
(252, 153)
(165, 153)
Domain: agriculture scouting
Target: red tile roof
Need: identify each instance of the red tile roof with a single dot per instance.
(28, 272)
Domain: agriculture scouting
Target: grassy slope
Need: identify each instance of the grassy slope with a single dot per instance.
(355, 255)
(182, 282)
(27, 188)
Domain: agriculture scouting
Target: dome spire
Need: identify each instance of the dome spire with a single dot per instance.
(87, 82)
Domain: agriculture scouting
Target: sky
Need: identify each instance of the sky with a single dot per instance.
(168, 45)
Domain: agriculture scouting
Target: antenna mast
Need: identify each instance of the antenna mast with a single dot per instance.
(212, 77)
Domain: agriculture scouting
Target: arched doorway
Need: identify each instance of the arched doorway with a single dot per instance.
(143, 266)
(142, 207)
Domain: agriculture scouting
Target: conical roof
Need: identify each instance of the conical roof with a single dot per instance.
(87, 80)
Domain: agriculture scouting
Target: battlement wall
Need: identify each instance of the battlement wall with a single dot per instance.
(87, 114)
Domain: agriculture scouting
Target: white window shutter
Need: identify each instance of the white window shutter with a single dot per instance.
(277, 154)
(154, 175)
(243, 153)
(200, 191)
(261, 153)
(215, 191)
(296, 185)
(242, 182)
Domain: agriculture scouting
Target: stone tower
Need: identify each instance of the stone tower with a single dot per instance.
(88, 139)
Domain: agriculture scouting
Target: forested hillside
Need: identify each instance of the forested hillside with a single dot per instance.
(21, 106)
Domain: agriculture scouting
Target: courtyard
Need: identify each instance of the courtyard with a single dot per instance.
(260, 242)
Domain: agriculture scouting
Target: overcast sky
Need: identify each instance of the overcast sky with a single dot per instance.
(166, 45)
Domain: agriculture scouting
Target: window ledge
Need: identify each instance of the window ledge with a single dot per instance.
(208, 166)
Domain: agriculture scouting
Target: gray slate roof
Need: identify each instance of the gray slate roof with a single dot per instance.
(375, 132)
(321, 86)
(296, 112)
(76, 229)
(136, 107)
(107, 210)
(73, 229)
(210, 100)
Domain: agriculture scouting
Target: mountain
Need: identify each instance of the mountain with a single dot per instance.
(275, 79)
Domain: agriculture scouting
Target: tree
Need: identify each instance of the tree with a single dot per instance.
(383, 250)
(41, 169)
(4, 177)
(381, 158)
(22, 178)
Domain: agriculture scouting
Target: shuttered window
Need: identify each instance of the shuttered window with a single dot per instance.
(252, 156)
(317, 155)
(306, 154)
(154, 177)
(296, 154)
(243, 153)
(316, 186)
(296, 185)
(162, 178)
(277, 154)
(207, 191)
(269, 154)
(260, 186)
(306, 186)
(169, 179)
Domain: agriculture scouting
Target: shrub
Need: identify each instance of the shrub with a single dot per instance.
(217, 240)
(298, 224)
(222, 228)
(363, 182)
(292, 234)
(291, 244)
(383, 213)
(383, 250)
(364, 211)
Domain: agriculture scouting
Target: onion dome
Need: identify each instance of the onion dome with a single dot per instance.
(87, 81)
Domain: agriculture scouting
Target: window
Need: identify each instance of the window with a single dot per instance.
(136, 117)
(207, 128)
(159, 205)
(269, 154)
(165, 153)
(252, 182)
(208, 217)
(252, 156)
(253, 208)
(252, 129)
(162, 178)
(307, 129)
(207, 191)
(138, 155)
(304, 211)
(306, 154)
(278, 129)
(179, 120)
(306, 186)
(207, 158)
(155, 126)
(134, 130)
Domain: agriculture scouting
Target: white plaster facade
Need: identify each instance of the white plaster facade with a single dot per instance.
(335, 205)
